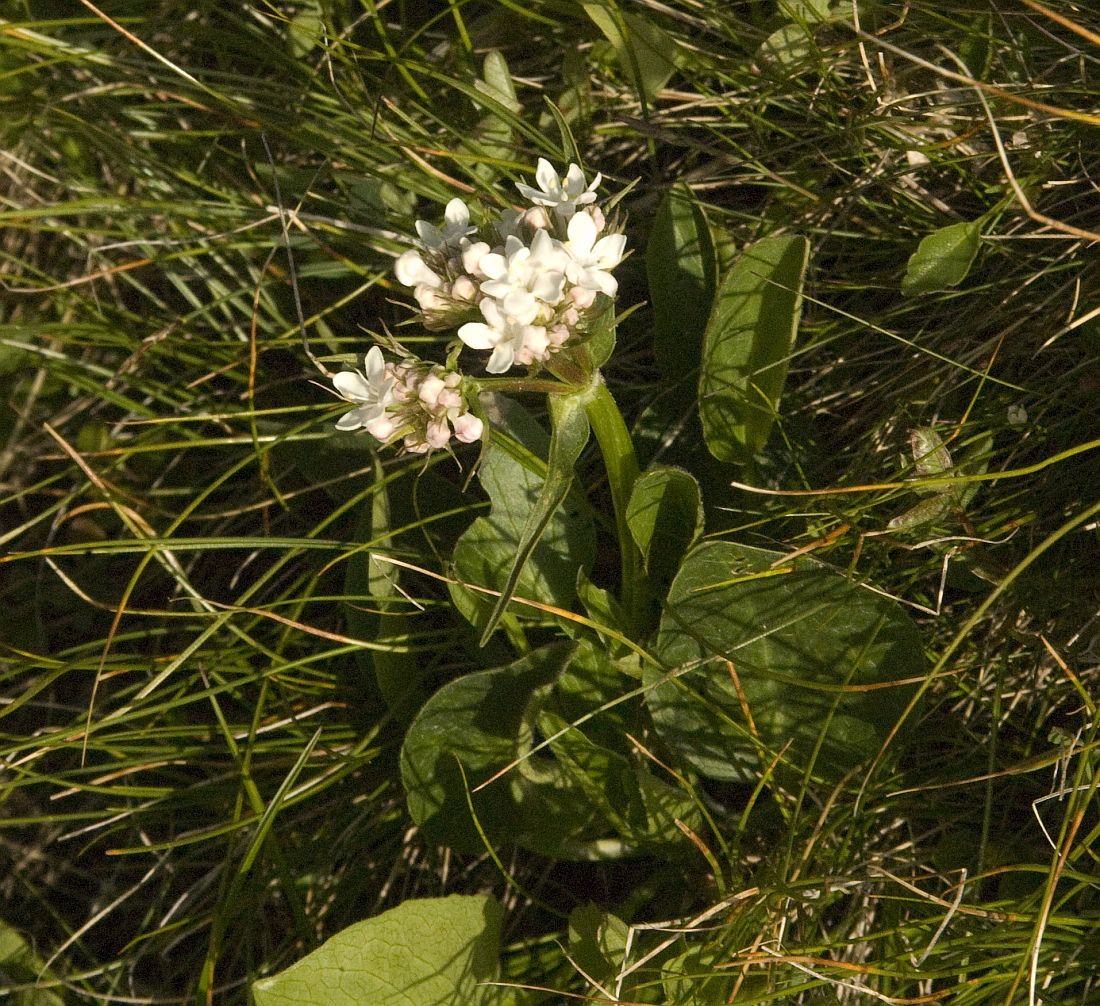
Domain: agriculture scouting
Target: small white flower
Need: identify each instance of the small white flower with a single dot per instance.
(590, 259)
(456, 225)
(371, 392)
(472, 254)
(411, 270)
(563, 195)
(523, 275)
(508, 336)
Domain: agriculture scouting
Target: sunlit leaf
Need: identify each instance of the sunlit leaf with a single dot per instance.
(748, 344)
(942, 259)
(426, 952)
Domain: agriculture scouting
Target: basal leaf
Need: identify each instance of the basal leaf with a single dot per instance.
(682, 269)
(426, 952)
(481, 722)
(814, 655)
(642, 809)
(747, 347)
(665, 516)
(305, 29)
(942, 259)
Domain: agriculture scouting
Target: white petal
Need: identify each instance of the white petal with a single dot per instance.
(490, 311)
(431, 235)
(501, 360)
(609, 250)
(547, 178)
(534, 195)
(603, 281)
(548, 287)
(352, 386)
(520, 305)
(374, 366)
(582, 234)
(496, 288)
(478, 336)
(574, 181)
(493, 265)
(457, 215)
(349, 421)
(595, 183)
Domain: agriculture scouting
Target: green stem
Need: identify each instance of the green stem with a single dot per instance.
(621, 463)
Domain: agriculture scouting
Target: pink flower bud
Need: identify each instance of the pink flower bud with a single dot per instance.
(464, 289)
(582, 297)
(468, 428)
(437, 434)
(537, 218)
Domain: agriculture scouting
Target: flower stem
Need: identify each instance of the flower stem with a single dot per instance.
(621, 463)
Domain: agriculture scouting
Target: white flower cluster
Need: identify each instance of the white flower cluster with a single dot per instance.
(421, 403)
(526, 284)
(520, 289)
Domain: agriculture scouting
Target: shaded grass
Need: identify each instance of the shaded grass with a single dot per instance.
(200, 789)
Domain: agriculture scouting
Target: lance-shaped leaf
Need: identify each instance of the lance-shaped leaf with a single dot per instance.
(748, 345)
(427, 952)
(569, 437)
(682, 269)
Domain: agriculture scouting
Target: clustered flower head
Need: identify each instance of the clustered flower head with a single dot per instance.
(422, 404)
(520, 287)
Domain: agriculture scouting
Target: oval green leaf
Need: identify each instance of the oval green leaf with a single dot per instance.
(665, 516)
(431, 950)
(942, 259)
(748, 344)
(814, 656)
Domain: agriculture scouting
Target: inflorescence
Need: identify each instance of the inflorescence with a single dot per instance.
(520, 287)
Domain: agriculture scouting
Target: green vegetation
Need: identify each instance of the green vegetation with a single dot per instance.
(806, 712)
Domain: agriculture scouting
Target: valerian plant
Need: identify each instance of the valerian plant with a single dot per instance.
(704, 659)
